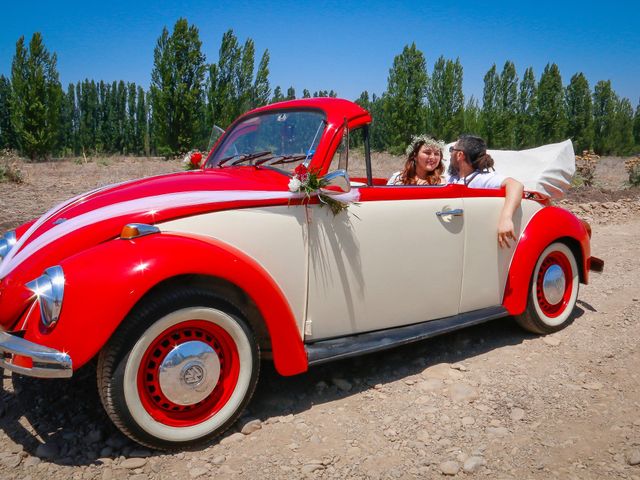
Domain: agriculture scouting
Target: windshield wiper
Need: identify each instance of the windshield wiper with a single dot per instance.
(282, 159)
(243, 158)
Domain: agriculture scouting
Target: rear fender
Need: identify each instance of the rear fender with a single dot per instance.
(104, 283)
(548, 225)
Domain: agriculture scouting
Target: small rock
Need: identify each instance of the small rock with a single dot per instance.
(11, 461)
(233, 438)
(132, 463)
(449, 467)
(106, 452)
(47, 450)
(497, 431)
(31, 461)
(94, 436)
(313, 466)
(430, 385)
(140, 453)
(342, 384)
(459, 366)
(219, 460)
(633, 457)
(553, 341)
(251, 426)
(116, 441)
(461, 392)
(198, 472)
(517, 414)
(468, 421)
(473, 464)
(592, 386)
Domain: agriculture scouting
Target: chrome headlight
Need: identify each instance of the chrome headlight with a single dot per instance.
(49, 290)
(7, 241)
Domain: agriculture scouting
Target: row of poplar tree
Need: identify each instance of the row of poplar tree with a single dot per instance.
(514, 113)
(187, 96)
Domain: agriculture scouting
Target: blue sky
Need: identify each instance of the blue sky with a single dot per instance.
(346, 46)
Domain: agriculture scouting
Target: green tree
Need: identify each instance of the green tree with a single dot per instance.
(526, 120)
(87, 98)
(306, 93)
(446, 100)
(277, 95)
(177, 89)
(636, 126)
(130, 121)
(507, 107)
(245, 78)
(36, 98)
(403, 107)
(7, 135)
(489, 112)
(261, 89)
(623, 127)
(291, 94)
(141, 145)
(604, 107)
(579, 113)
(472, 117)
(550, 111)
(223, 92)
(68, 121)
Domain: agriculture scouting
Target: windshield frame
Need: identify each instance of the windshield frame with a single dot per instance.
(228, 135)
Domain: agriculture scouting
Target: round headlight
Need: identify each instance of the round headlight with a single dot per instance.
(7, 241)
(4, 248)
(49, 290)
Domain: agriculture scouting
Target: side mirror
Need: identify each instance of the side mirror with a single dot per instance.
(335, 183)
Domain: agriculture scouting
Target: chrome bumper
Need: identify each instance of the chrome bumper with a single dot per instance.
(47, 362)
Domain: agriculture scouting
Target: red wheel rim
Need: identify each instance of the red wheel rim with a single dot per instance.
(157, 404)
(553, 310)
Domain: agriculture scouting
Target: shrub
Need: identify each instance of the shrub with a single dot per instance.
(586, 168)
(9, 171)
(632, 165)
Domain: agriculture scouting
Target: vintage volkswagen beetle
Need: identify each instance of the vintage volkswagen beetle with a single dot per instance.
(180, 284)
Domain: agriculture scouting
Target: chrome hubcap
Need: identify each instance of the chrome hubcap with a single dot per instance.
(553, 284)
(189, 373)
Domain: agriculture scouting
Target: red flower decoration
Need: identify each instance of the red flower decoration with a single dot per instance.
(301, 170)
(196, 158)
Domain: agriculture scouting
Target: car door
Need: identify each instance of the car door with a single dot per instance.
(395, 258)
(486, 265)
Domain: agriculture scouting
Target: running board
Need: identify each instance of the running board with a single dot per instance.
(324, 351)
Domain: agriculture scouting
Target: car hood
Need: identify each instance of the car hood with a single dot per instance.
(99, 215)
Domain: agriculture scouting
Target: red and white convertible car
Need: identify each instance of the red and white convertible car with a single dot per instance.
(179, 285)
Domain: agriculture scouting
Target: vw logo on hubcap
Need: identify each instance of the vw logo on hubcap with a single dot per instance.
(189, 373)
(193, 374)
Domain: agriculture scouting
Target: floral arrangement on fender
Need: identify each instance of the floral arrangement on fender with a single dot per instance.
(309, 183)
(192, 160)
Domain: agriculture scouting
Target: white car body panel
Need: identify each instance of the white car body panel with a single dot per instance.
(274, 237)
(486, 265)
(392, 263)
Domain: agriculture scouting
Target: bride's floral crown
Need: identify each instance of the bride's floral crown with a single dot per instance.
(426, 140)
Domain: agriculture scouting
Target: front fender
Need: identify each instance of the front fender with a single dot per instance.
(104, 283)
(545, 227)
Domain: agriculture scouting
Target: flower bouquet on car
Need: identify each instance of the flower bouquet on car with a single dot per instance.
(309, 183)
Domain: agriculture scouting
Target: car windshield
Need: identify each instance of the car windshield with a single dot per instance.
(281, 139)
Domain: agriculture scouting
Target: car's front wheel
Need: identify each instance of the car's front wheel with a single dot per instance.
(179, 371)
(553, 291)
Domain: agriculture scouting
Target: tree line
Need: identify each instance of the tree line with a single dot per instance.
(514, 113)
(187, 96)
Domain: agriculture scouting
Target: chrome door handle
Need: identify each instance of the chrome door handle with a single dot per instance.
(456, 212)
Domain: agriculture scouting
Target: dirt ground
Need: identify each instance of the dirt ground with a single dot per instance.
(487, 402)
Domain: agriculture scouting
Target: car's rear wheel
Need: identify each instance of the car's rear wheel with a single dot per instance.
(553, 291)
(179, 371)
